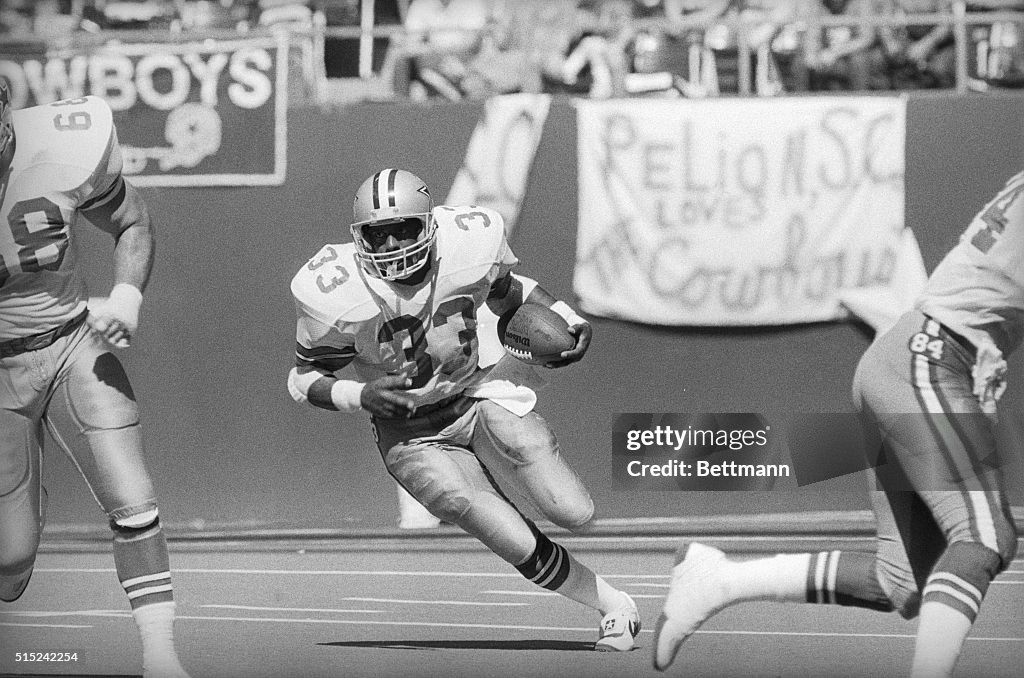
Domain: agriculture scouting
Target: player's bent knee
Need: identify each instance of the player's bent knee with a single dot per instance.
(1002, 543)
(1007, 542)
(134, 522)
(17, 556)
(1009, 552)
(906, 601)
(899, 587)
(450, 505)
(19, 542)
(976, 562)
(576, 518)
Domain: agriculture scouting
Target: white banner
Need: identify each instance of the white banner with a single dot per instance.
(737, 211)
(500, 154)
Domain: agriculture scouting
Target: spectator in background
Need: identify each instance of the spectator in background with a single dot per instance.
(670, 42)
(542, 31)
(841, 57)
(54, 21)
(761, 20)
(502, 64)
(996, 51)
(443, 36)
(919, 55)
(594, 61)
(213, 15)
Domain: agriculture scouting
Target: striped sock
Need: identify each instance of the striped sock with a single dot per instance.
(950, 603)
(845, 578)
(552, 567)
(548, 565)
(961, 577)
(955, 592)
(143, 567)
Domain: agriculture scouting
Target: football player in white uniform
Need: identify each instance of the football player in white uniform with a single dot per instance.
(929, 385)
(58, 162)
(400, 305)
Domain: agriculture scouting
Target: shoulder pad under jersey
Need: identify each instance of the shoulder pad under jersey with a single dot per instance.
(330, 289)
(65, 143)
(470, 235)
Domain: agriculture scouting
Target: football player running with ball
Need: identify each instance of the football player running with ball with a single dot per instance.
(59, 162)
(929, 385)
(400, 304)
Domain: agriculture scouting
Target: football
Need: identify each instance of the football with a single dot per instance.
(534, 334)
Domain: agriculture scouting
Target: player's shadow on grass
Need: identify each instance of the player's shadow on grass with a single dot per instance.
(560, 645)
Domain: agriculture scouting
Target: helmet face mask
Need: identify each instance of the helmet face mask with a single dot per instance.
(393, 204)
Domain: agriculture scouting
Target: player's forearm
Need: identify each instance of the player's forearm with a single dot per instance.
(515, 290)
(511, 292)
(126, 218)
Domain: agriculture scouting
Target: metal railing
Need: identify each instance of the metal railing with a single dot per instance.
(744, 24)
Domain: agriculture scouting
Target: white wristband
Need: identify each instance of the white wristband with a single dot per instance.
(126, 297)
(563, 309)
(346, 394)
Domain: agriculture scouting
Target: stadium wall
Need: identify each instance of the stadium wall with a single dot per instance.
(227, 445)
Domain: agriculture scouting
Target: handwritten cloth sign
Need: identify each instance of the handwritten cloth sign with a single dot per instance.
(189, 114)
(736, 211)
(500, 154)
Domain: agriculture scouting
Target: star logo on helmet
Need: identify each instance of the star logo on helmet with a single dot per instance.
(424, 190)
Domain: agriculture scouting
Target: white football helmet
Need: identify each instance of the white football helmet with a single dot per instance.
(392, 196)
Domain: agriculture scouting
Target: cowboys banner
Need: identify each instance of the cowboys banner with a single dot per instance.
(189, 114)
(737, 211)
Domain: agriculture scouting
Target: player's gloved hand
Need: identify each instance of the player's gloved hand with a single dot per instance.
(384, 397)
(116, 317)
(582, 332)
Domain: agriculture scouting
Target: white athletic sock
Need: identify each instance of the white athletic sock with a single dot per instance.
(156, 629)
(940, 638)
(585, 587)
(782, 578)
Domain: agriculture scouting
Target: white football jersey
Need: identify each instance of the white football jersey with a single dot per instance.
(978, 288)
(428, 331)
(66, 159)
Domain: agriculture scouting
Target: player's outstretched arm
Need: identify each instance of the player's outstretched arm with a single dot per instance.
(512, 291)
(124, 215)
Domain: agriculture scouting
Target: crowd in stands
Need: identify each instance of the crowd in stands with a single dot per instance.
(455, 49)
